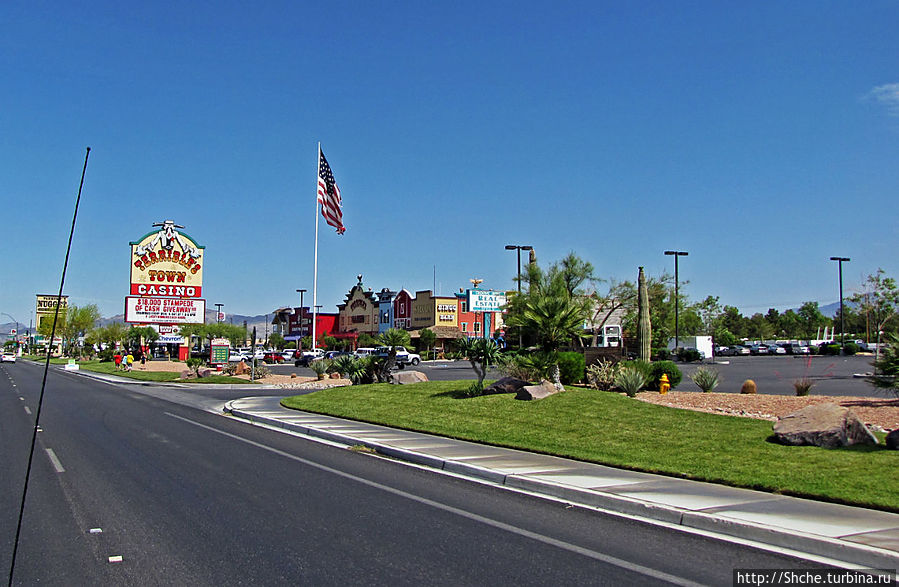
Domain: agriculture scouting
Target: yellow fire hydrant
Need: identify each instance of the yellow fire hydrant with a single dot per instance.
(664, 385)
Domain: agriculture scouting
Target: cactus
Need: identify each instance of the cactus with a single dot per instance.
(644, 332)
(748, 387)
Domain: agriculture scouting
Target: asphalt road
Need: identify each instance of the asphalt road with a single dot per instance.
(190, 497)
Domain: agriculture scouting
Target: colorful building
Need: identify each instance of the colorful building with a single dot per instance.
(477, 324)
(359, 312)
(402, 310)
(385, 310)
(429, 310)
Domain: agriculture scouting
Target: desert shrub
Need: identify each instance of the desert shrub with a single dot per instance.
(803, 386)
(260, 371)
(705, 379)
(748, 387)
(476, 389)
(571, 367)
(688, 355)
(533, 367)
(630, 380)
(850, 348)
(106, 354)
(668, 367)
(320, 367)
(194, 364)
(601, 375)
(661, 354)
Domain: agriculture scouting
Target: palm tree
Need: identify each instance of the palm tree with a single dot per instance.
(553, 316)
(391, 339)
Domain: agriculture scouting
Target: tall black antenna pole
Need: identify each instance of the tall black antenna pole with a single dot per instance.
(40, 403)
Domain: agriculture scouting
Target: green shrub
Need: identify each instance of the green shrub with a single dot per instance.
(571, 367)
(850, 348)
(661, 354)
(630, 380)
(659, 367)
(688, 355)
(601, 375)
(320, 367)
(829, 349)
(476, 389)
(706, 379)
(527, 367)
(106, 354)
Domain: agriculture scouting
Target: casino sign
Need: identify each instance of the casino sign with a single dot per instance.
(167, 263)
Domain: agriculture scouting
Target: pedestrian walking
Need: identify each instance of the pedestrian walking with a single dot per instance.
(129, 359)
(117, 357)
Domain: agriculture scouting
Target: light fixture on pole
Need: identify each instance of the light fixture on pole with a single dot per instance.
(218, 312)
(676, 295)
(840, 260)
(519, 248)
(301, 321)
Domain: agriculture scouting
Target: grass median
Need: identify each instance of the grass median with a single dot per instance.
(107, 367)
(612, 429)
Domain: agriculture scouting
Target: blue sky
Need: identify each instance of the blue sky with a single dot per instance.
(760, 137)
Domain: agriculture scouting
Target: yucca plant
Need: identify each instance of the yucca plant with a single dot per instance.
(320, 367)
(630, 381)
(706, 379)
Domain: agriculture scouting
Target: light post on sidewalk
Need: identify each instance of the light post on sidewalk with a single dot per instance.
(676, 296)
(840, 260)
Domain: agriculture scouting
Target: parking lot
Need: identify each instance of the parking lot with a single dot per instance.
(775, 374)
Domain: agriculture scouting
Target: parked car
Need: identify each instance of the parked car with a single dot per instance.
(8, 357)
(758, 349)
(288, 354)
(776, 349)
(236, 356)
(795, 348)
(273, 357)
(306, 357)
(738, 350)
(334, 354)
(364, 352)
(722, 351)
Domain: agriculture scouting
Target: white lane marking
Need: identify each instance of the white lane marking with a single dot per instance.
(459, 512)
(27, 410)
(96, 530)
(55, 460)
(115, 559)
(21, 398)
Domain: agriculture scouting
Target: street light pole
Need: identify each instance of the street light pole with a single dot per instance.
(302, 313)
(218, 312)
(840, 260)
(676, 296)
(519, 248)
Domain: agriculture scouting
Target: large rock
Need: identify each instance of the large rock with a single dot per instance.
(406, 377)
(204, 372)
(187, 374)
(530, 392)
(505, 385)
(893, 440)
(827, 425)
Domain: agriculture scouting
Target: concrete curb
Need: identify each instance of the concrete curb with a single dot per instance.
(858, 554)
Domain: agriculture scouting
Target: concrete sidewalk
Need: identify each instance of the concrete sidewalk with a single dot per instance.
(859, 536)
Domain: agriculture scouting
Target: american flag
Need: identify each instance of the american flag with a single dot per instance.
(329, 194)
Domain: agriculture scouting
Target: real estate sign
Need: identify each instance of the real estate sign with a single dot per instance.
(484, 300)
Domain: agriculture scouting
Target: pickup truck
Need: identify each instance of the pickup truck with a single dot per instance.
(309, 356)
(403, 356)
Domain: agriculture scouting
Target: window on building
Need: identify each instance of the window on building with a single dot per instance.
(464, 327)
(464, 306)
(477, 327)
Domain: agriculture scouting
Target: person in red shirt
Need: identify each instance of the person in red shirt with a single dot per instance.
(117, 357)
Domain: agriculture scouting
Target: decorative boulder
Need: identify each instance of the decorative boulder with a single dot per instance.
(531, 392)
(505, 385)
(241, 368)
(406, 377)
(187, 374)
(892, 440)
(204, 372)
(827, 425)
(335, 375)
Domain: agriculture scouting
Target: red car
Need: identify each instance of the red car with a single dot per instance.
(273, 357)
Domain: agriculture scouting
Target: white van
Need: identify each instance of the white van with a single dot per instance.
(365, 352)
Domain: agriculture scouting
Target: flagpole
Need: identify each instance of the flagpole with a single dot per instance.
(315, 255)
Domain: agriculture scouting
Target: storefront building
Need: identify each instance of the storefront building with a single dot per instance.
(359, 312)
(402, 310)
(429, 310)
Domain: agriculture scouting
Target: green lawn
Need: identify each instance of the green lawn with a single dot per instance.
(155, 376)
(612, 429)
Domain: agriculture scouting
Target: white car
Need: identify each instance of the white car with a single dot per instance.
(365, 352)
(237, 356)
(8, 357)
